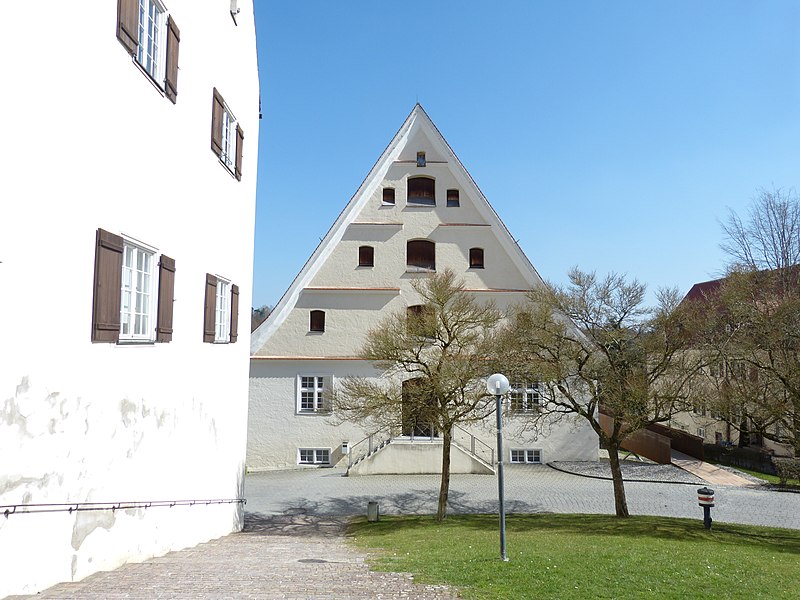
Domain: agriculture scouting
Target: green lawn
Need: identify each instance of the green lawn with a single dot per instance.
(588, 556)
(770, 478)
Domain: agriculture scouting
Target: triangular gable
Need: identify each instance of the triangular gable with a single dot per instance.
(398, 149)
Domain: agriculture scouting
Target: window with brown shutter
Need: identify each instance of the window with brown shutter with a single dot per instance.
(317, 321)
(209, 312)
(388, 195)
(171, 76)
(128, 24)
(239, 145)
(476, 258)
(166, 296)
(422, 191)
(217, 108)
(234, 313)
(107, 285)
(421, 254)
(366, 256)
(452, 198)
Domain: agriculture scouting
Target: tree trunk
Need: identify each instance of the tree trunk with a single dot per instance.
(444, 488)
(620, 503)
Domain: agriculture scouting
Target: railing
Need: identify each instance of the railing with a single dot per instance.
(466, 441)
(369, 445)
(70, 507)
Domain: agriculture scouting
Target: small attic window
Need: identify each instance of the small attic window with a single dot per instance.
(421, 159)
(388, 196)
(476, 258)
(366, 256)
(317, 321)
(421, 191)
(452, 198)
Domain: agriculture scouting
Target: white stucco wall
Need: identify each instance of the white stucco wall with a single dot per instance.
(355, 299)
(96, 145)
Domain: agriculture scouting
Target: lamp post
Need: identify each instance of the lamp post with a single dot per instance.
(497, 385)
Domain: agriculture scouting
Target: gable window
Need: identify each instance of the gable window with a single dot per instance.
(317, 321)
(421, 162)
(529, 456)
(133, 291)
(421, 255)
(314, 456)
(366, 256)
(221, 312)
(526, 397)
(421, 191)
(310, 393)
(476, 258)
(388, 196)
(452, 198)
(227, 137)
(150, 35)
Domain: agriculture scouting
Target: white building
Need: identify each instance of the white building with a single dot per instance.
(417, 211)
(127, 207)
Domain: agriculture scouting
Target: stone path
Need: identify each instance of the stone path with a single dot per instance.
(710, 473)
(287, 558)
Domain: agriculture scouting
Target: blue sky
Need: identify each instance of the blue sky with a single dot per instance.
(609, 135)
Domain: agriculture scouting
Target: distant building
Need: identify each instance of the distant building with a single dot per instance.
(417, 212)
(128, 203)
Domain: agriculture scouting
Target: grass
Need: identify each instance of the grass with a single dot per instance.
(587, 556)
(769, 477)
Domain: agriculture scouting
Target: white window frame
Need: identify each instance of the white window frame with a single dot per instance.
(525, 397)
(528, 456)
(701, 432)
(138, 293)
(317, 399)
(151, 52)
(319, 456)
(222, 311)
(229, 139)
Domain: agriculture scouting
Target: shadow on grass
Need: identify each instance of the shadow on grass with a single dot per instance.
(665, 528)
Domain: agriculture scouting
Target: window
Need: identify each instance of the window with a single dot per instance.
(701, 432)
(452, 198)
(526, 456)
(314, 456)
(421, 255)
(133, 291)
(317, 321)
(227, 137)
(421, 191)
(388, 196)
(221, 313)
(310, 393)
(476, 258)
(366, 256)
(152, 38)
(421, 159)
(526, 398)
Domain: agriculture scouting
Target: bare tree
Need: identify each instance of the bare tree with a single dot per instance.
(600, 355)
(258, 316)
(769, 237)
(433, 358)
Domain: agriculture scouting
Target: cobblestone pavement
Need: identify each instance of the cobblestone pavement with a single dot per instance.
(287, 558)
(293, 545)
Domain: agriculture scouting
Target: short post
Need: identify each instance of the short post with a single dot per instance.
(373, 512)
(705, 498)
(498, 385)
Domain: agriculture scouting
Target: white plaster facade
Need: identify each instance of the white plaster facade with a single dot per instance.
(94, 143)
(355, 298)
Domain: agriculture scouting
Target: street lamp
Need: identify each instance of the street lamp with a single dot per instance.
(497, 385)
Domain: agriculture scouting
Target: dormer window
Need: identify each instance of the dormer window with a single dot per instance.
(421, 191)
(421, 159)
(476, 258)
(388, 196)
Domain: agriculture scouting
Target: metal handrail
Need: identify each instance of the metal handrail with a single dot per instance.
(70, 507)
(476, 446)
(373, 442)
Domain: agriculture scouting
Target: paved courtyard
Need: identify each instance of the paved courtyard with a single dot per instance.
(293, 546)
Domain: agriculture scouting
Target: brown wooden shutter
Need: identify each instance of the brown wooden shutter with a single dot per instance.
(171, 79)
(209, 314)
(366, 256)
(317, 320)
(107, 287)
(166, 295)
(388, 195)
(476, 258)
(239, 144)
(234, 313)
(217, 108)
(128, 24)
(422, 190)
(421, 253)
